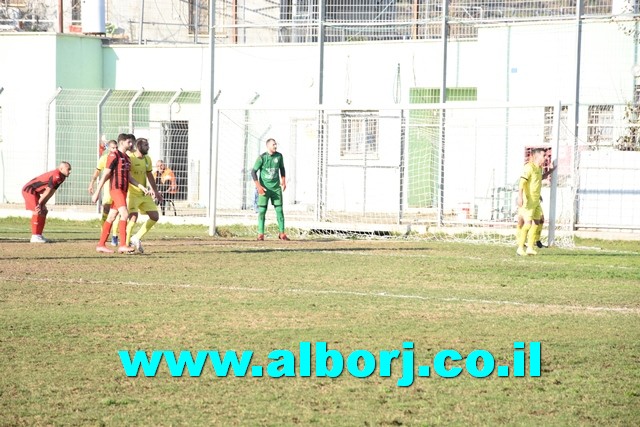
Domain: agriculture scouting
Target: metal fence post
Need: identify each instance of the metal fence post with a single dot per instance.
(99, 128)
(131, 103)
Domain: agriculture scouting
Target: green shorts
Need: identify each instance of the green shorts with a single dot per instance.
(274, 195)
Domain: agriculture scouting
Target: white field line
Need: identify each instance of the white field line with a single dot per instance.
(562, 307)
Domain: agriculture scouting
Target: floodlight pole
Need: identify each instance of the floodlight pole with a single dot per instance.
(212, 129)
(401, 166)
(576, 110)
(443, 99)
(321, 33)
(321, 136)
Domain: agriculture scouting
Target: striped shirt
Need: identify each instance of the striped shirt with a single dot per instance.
(119, 164)
(38, 185)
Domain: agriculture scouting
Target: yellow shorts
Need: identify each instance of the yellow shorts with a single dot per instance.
(530, 212)
(140, 203)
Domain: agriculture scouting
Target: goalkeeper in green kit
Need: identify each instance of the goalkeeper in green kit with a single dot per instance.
(270, 185)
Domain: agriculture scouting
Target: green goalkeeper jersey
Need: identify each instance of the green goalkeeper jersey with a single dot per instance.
(269, 165)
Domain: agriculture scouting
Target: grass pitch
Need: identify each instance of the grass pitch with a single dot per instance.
(65, 311)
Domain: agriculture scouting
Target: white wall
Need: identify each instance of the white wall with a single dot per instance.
(28, 75)
(289, 74)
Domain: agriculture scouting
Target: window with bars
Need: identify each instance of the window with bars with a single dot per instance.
(76, 11)
(548, 123)
(359, 136)
(600, 125)
(175, 149)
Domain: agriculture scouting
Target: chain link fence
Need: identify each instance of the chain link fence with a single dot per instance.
(295, 21)
(358, 168)
(80, 123)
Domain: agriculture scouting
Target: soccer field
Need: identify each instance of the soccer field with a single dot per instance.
(67, 311)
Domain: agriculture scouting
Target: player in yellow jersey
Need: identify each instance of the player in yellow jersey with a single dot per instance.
(137, 201)
(529, 209)
(112, 145)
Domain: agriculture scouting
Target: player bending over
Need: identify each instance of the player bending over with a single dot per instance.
(37, 193)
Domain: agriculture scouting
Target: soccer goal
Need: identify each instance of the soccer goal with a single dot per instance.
(415, 170)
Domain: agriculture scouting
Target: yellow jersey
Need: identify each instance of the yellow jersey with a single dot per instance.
(531, 181)
(139, 169)
(102, 163)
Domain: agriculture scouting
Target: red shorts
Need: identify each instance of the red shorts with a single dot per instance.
(119, 198)
(30, 200)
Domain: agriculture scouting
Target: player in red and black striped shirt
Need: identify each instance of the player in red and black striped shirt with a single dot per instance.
(118, 171)
(37, 193)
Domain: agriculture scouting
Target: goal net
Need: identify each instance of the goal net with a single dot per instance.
(418, 170)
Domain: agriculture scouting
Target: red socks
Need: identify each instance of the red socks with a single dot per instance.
(37, 223)
(106, 230)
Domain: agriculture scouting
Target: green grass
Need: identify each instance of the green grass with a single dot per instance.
(65, 311)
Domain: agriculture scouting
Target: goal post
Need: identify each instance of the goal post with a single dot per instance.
(553, 193)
